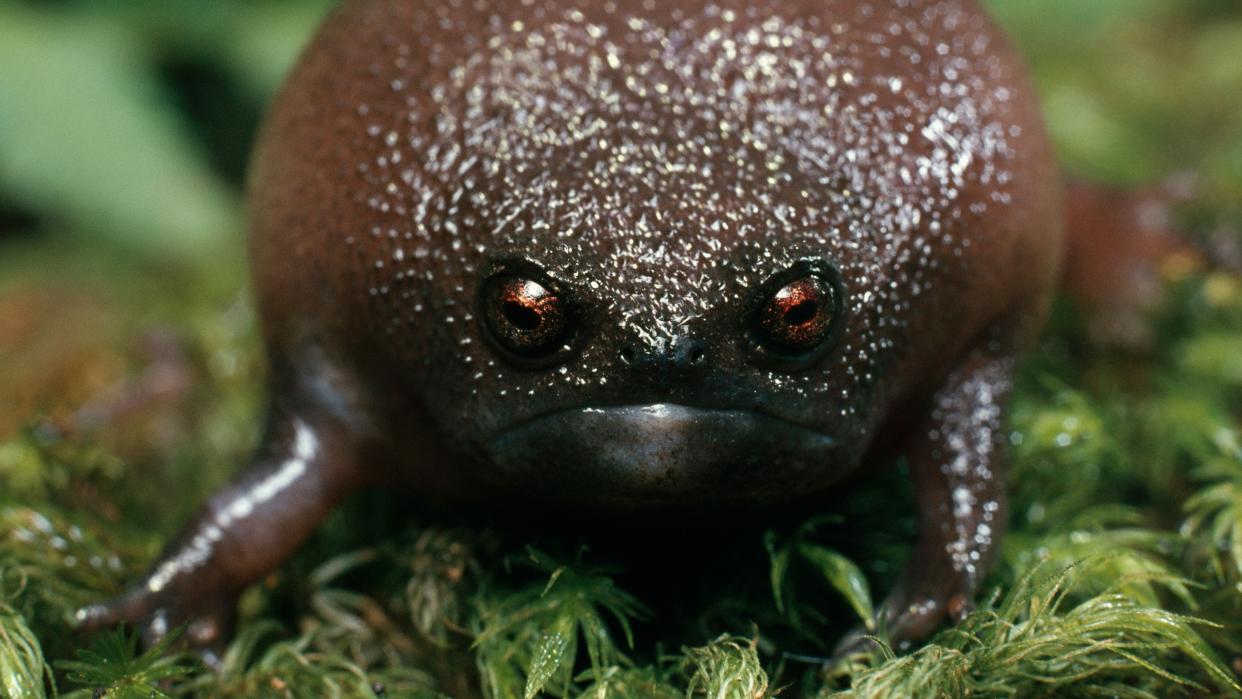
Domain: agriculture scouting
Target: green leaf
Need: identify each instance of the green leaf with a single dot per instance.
(845, 577)
(551, 656)
(85, 140)
(778, 572)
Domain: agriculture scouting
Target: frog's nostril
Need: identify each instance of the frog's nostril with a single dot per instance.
(629, 354)
(688, 353)
(680, 354)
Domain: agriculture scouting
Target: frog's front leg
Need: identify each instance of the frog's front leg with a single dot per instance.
(306, 465)
(957, 461)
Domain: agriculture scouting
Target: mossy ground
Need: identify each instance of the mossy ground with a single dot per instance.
(130, 384)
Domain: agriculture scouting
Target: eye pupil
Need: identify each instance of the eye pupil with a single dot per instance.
(802, 313)
(521, 316)
(524, 317)
(796, 316)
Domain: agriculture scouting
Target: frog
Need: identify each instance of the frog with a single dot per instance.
(634, 256)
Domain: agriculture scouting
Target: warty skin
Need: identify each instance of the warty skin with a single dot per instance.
(663, 173)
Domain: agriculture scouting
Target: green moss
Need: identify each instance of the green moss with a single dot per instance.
(527, 640)
(1121, 575)
(113, 662)
(23, 671)
(727, 668)
(1033, 643)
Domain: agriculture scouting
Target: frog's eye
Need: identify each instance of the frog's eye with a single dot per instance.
(795, 315)
(524, 316)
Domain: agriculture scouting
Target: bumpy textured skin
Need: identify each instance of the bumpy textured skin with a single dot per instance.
(660, 161)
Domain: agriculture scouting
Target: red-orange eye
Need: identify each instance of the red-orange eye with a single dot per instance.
(524, 316)
(794, 317)
(798, 316)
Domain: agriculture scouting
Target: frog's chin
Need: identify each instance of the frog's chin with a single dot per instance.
(662, 454)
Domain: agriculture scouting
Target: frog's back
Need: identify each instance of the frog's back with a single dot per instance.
(418, 140)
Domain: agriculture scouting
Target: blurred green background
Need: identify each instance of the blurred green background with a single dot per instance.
(128, 122)
(131, 375)
(125, 127)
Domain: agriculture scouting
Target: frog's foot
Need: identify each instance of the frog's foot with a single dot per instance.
(204, 618)
(907, 617)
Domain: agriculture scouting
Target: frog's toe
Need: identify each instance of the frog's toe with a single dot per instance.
(914, 619)
(126, 609)
(205, 622)
(904, 618)
(858, 642)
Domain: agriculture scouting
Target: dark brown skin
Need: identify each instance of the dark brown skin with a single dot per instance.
(637, 255)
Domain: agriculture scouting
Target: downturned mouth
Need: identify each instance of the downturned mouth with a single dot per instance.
(662, 418)
(661, 453)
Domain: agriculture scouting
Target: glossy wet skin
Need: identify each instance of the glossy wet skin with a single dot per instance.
(659, 168)
(644, 254)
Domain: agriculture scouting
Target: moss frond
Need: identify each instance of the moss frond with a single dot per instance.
(1131, 560)
(1032, 643)
(528, 640)
(262, 663)
(629, 683)
(49, 566)
(439, 562)
(114, 668)
(727, 668)
(1214, 514)
(1065, 452)
(842, 575)
(23, 670)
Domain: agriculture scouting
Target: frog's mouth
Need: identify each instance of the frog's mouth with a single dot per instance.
(662, 453)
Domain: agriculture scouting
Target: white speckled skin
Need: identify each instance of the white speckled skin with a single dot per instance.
(658, 162)
(663, 162)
